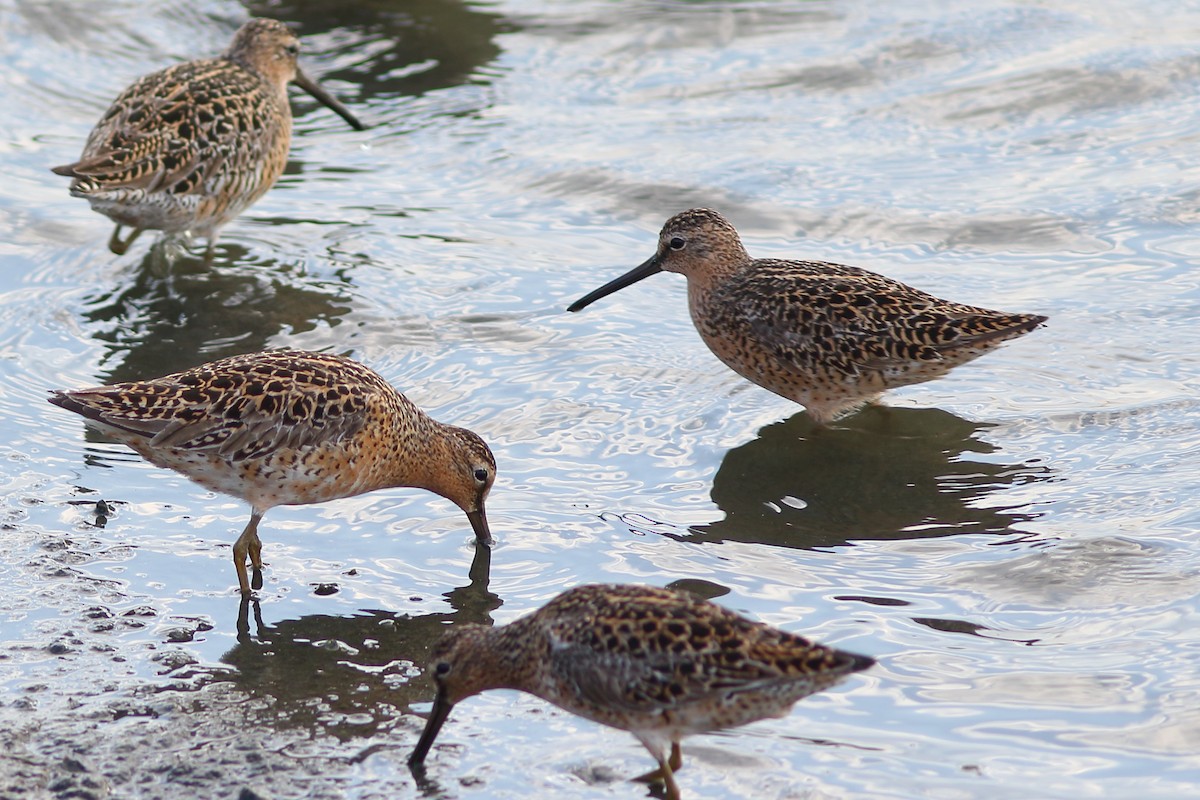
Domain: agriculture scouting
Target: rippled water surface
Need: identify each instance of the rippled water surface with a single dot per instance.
(1016, 543)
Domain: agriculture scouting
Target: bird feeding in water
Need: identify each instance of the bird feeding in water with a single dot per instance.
(827, 336)
(188, 148)
(660, 663)
(289, 428)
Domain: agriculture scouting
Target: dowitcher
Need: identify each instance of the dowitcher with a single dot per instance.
(827, 336)
(190, 147)
(659, 663)
(289, 428)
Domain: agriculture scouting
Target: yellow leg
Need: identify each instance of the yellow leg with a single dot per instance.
(668, 776)
(248, 545)
(117, 245)
(666, 769)
(256, 580)
(209, 252)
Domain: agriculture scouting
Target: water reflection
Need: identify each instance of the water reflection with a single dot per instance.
(353, 676)
(885, 473)
(173, 312)
(449, 39)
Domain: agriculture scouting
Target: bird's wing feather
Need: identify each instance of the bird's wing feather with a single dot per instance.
(867, 321)
(236, 414)
(157, 137)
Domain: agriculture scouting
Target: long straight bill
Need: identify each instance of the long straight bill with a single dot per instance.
(441, 710)
(479, 524)
(634, 275)
(326, 99)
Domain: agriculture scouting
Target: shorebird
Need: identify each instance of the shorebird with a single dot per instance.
(827, 336)
(659, 663)
(289, 428)
(190, 147)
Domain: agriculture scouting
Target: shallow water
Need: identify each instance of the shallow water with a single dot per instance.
(1016, 543)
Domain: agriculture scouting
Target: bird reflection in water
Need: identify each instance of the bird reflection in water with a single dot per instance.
(158, 321)
(351, 676)
(887, 473)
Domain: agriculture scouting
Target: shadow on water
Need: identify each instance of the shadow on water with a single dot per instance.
(352, 675)
(165, 317)
(449, 39)
(885, 473)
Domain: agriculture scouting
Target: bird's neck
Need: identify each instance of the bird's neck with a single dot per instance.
(425, 459)
(512, 657)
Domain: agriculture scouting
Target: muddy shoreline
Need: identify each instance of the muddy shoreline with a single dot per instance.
(109, 702)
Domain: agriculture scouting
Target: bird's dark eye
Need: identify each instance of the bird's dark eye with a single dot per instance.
(292, 49)
(677, 243)
(442, 668)
(481, 474)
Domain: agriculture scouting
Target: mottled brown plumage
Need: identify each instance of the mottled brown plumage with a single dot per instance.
(190, 147)
(659, 663)
(827, 336)
(289, 428)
